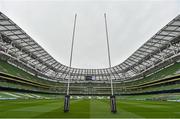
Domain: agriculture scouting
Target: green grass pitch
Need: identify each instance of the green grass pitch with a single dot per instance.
(86, 108)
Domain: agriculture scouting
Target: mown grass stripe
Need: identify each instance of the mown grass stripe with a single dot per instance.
(85, 108)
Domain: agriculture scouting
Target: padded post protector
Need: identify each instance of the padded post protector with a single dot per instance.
(113, 103)
(66, 103)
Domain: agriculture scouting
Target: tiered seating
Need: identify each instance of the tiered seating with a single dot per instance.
(15, 78)
(4, 95)
(163, 73)
(12, 70)
(159, 97)
(165, 79)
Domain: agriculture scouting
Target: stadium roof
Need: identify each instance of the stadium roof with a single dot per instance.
(163, 45)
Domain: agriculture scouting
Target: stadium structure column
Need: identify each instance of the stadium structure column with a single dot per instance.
(0, 38)
(112, 97)
(67, 96)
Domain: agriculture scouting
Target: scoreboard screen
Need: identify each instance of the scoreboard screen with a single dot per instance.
(89, 78)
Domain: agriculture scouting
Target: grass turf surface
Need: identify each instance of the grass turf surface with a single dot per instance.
(88, 109)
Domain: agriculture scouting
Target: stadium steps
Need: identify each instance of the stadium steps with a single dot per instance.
(168, 71)
(9, 69)
(4, 95)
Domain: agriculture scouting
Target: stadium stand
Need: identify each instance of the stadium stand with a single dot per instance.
(26, 68)
(4, 95)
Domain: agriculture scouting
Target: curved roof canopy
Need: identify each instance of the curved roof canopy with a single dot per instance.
(164, 44)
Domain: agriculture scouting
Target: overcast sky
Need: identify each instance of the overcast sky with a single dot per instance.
(130, 24)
